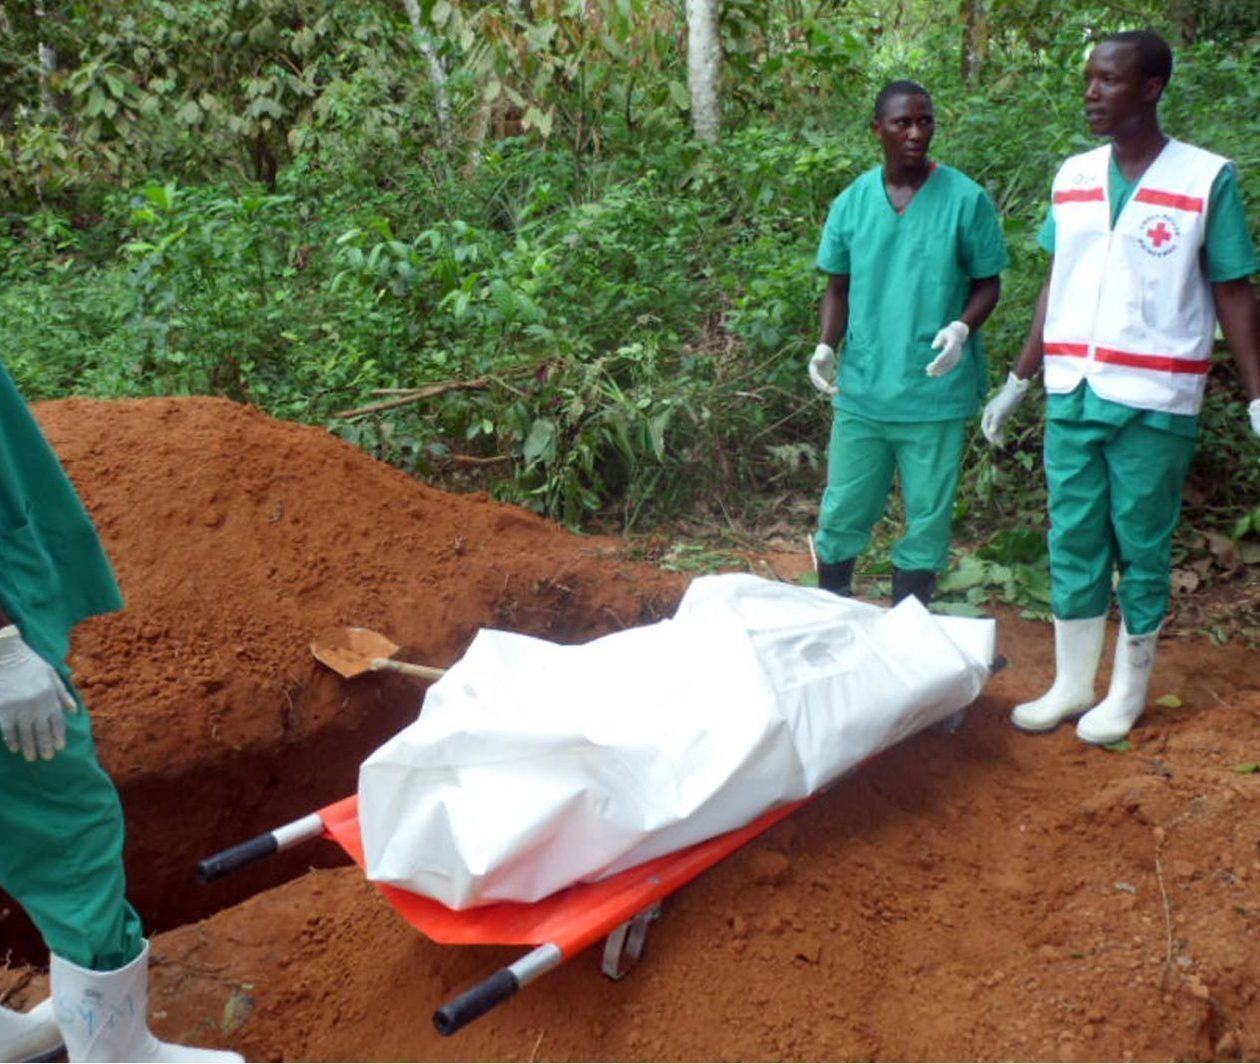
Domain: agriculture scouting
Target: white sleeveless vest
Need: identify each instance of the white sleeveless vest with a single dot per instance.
(1130, 308)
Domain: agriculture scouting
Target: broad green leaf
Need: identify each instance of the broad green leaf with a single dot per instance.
(96, 103)
(958, 609)
(265, 106)
(656, 433)
(678, 93)
(541, 441)
(1169, 702)
(969, 572)
(539, 37)
(503, 297)
(539, 120)
(162, 196)
(999, 574)
(1248, 768)
(1022, 545)
(527, 309)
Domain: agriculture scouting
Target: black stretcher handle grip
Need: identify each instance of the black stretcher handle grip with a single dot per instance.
(234, 858)
(461, 1011)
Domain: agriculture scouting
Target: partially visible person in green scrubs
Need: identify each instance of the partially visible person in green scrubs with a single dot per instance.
(913, 250)
(1151, 249)
(61, 825)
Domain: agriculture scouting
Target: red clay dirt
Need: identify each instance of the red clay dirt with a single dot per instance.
(982, 895)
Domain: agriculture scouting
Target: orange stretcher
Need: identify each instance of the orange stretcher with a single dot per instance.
(618, 909)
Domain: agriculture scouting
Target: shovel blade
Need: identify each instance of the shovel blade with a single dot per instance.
(349, 651)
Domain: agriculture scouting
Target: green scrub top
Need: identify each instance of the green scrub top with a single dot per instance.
(53, 570)
(1229, 254)
(910, 274)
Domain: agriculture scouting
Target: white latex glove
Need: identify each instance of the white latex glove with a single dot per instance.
(822, 369)
(1253, 408)
(999, 409)
(33, 700)
(949, 342)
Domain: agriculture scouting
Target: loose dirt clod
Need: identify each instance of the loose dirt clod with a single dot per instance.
(982, 895)
(770, 868)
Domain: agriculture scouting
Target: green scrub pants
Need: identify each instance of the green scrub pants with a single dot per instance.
(61, 841)
(1115, 498)
(861, 459)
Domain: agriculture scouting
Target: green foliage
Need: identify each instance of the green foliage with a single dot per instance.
(260, 200)
(697, 558)
(198, 327)
(1014, 566)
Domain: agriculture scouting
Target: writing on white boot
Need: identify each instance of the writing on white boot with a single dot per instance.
(1077, 651)
(104, 1016)
(29, 1035)
(1111, 719)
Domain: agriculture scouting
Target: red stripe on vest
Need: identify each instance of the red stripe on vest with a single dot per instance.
(1198, 366)
(1074, 350)
(1080, 195)
(1169, 199)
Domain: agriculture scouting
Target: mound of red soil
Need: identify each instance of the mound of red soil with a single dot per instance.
(237, 537)
(983, 895)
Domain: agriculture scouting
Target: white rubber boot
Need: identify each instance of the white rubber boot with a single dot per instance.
(1077, 651)
(30, 1035)
(1111, 719)
(104, 1016)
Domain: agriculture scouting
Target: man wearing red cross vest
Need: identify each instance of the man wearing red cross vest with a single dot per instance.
(1151, 249)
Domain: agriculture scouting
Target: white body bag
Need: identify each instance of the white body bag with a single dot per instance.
(536, 765)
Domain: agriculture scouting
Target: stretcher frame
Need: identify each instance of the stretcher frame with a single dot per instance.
(618, 909)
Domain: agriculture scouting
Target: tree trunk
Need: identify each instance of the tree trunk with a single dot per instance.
(437, 72)
(704, 69)
(48, 105)
(478, 134)
(975, 41)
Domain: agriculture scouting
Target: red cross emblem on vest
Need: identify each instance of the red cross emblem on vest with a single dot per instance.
(1159, 235)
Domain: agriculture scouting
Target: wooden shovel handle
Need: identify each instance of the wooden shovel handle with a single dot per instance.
(424, 672)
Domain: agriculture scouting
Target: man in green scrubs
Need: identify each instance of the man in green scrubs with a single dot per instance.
(913, 250)
(61, 825)
(1115, 468)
